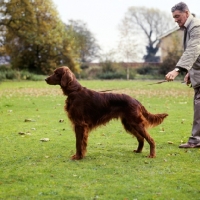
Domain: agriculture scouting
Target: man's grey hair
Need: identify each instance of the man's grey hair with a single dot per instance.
(180, 6)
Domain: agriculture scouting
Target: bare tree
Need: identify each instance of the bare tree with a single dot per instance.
(152, 23)
(128, 47)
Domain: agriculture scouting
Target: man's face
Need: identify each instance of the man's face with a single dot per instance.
(180, 17)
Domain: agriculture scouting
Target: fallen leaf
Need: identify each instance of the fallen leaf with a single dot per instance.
(22, 133)
(44, 139)
(183, 102)
(29, 120)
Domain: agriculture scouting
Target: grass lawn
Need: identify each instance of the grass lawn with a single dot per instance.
(31, 169)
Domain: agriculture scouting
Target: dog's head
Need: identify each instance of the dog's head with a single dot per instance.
(62, 76)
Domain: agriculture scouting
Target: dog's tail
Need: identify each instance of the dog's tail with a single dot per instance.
(152, 120)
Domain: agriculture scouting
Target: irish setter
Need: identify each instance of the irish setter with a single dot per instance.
(88, 109)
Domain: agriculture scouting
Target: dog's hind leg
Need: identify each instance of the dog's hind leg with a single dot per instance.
(130, 128)
(81, 142)
(141, 131)
(152, 144)
(140, 143)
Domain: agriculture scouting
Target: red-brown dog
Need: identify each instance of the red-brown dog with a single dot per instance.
(88, 109)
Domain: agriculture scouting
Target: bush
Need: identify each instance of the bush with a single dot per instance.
(111, 75)
(12, 74)
(108, 66)
(6, 72)
(119, 74)
(2, 76)
(147, 70)
(169, 63)
(89, 73)
(84, 66)
(112, 70)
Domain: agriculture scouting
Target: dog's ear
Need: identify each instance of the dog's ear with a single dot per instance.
(67, 77)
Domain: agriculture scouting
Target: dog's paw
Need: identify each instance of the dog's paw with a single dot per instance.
(151, 156)
(76, 157)
(137, 151)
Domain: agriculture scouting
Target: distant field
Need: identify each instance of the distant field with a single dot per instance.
(31, 169)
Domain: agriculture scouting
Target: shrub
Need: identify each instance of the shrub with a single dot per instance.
(112, 70)
(169, 63)
(147, 70)
(6, 72)
(108, 66)
(111, 75)
(89, 73)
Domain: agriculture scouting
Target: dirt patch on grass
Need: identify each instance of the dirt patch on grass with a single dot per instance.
(31, 92)
(153, 92)
(135, 93)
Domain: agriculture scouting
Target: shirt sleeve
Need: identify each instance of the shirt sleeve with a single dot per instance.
(192, 50)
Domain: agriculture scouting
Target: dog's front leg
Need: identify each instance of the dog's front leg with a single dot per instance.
(81, 142)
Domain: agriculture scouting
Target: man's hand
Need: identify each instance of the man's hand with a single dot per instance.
(187, 79)
(171, 75)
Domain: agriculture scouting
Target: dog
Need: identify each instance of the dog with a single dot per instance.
(88, 109)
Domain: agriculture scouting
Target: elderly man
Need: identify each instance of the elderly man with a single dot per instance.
(189, 62)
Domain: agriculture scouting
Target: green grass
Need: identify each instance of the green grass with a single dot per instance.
(31, 169)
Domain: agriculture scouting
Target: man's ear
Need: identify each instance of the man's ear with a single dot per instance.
(187, 13)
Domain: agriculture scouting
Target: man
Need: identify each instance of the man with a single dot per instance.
(189, 62)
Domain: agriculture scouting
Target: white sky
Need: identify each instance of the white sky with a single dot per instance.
(104, 16)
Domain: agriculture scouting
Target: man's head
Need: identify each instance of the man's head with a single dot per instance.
(180, 13)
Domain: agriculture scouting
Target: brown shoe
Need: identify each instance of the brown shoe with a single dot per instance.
(188, 145)
(197, 145)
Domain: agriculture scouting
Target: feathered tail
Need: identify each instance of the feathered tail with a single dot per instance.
(152, 119)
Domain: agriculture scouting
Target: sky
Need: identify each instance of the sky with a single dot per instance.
(104, 16)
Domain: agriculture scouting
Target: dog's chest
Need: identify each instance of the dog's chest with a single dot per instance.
(72, 104)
